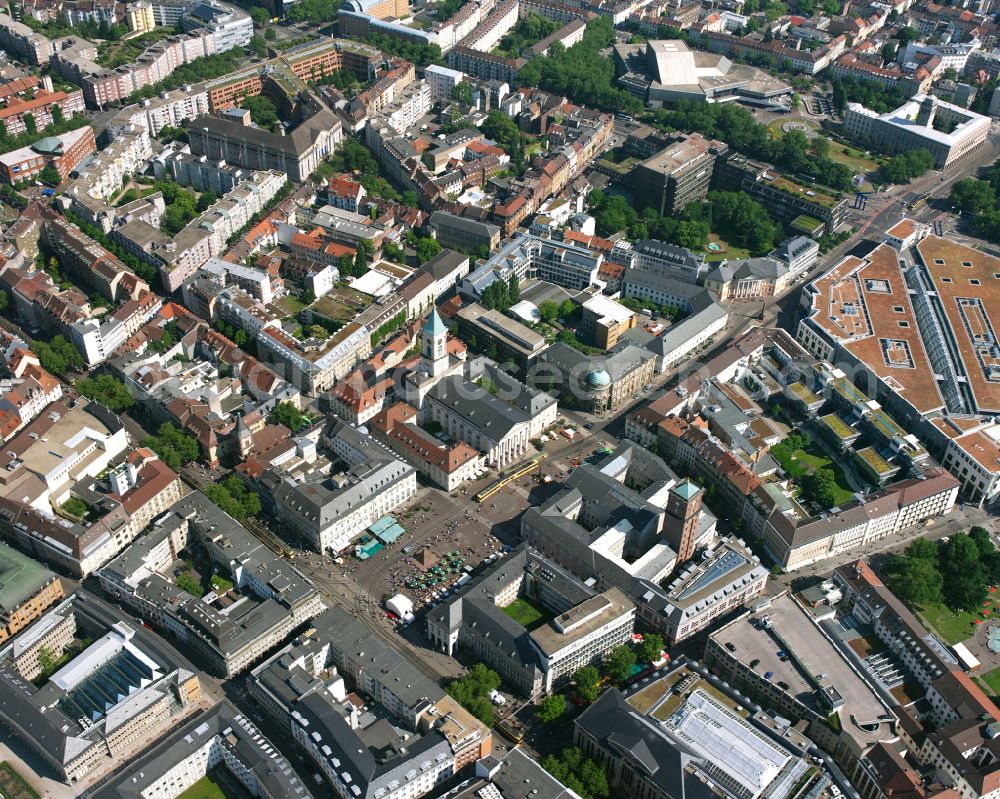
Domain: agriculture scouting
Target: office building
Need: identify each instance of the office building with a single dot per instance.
(582, 624)
(677, 175)
(948, 132)
(62, 153)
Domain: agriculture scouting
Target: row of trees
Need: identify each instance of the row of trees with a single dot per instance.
(148, 273)
(903, 167)
(174, 446)
(529, 30)
(504, 131)
(419, 54)
(353, 156)
(820, 485)
(57, 355)
(291, 417)
(581, 72)
(871, 95)
(200, 69)
(958, 573)
(499, 296)
(614, 214)
(107, 390)
(473, 691)
(980, 199)
(588, 778)
(234, 498)
(387, 328)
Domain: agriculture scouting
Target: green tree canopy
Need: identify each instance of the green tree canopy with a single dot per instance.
(552, 709)
(110, 392)
(618, 664)
(587, 680)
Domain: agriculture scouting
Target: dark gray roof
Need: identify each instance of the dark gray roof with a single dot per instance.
(444, 263)
(494, 418)
(296, 142)
(463, 223)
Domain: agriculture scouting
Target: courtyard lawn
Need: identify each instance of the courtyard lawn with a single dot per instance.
(13, 785)
(527, 613)
(728, 251)
(205, 788)
(292, 304)
(813, 458)
(954, 627)
(990, 682)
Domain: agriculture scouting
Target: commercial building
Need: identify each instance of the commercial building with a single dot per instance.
(948, 132)
(431, 737)
(920, 335)
(489, 328)
(105, 698)
(690, 736)
(315, 366)
(677, 175)
(64, 445)
(223, 738)
(229, 630)
(27, 590)
(583, 624)
(630, 523)
(330, 507)
(604, 321)
(810, 677)
(795, 537)
(62, 153)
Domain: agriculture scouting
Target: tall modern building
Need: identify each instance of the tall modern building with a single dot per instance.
(678, 175)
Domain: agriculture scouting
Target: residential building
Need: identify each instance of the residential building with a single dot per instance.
(40, 107)
(229, 25)
(462, 233)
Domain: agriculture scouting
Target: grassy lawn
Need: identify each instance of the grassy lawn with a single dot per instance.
(728, 251)
(205, 788)
(527, 613)
(952, 626)
(292, 304)
(813, 458)
(13, 785)
(990, 682)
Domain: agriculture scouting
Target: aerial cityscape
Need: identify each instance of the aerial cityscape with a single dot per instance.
(499, 399)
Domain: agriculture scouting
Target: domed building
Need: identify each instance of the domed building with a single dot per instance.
(595, 383)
